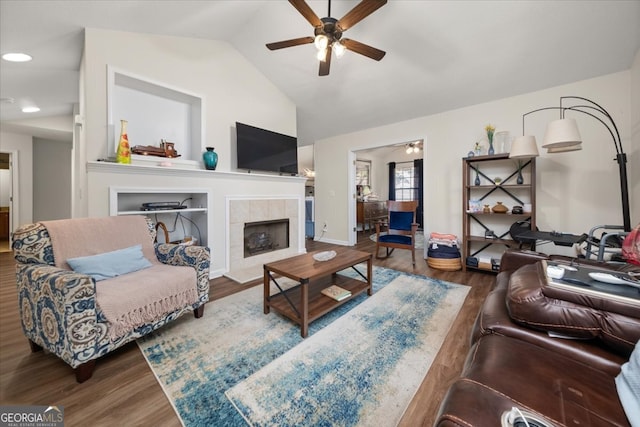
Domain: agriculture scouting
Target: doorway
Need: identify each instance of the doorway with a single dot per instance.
(8, 182)
(391, 174)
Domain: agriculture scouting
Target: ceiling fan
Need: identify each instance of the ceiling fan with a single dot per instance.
(328, 33)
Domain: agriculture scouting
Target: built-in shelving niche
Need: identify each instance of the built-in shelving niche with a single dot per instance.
(154, 111)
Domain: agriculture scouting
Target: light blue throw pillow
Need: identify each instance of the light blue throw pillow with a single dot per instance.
(628, 385)
(110, 264)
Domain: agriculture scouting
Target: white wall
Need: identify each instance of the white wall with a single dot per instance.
(231, 89)
(23, 145)
(51, 179)
(575, 191)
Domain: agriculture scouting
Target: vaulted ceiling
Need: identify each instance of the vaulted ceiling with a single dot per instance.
(441, 55)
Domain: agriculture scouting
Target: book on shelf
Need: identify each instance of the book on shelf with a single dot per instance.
(580, 279)
(336, 292)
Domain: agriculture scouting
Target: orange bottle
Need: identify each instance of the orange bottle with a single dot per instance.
(123, 155)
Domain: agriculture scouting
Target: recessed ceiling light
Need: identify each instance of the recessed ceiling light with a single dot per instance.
(30, 109)
(17, 57)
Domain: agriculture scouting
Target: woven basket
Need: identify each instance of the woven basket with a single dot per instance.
(446, 264)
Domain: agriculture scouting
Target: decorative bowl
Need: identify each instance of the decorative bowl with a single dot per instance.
(324, 256)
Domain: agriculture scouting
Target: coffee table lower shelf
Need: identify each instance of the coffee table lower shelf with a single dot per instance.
(318, 304)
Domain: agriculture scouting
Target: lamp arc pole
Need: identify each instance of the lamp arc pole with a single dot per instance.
(621, 157)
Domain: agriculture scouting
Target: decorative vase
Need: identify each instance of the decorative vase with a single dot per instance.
(520, 179)
(490, 130)
(210, 158)
(477, 181)
(486, 209)
(500, 208)
(123, 153)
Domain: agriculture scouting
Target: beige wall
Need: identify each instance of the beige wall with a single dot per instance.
(575, 191)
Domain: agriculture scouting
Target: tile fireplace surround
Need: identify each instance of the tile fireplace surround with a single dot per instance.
(241, 211)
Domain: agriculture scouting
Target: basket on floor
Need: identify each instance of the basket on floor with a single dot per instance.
(443, 252)
(453, 264)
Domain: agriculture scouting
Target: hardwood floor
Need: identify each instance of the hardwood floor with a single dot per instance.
(124, 391)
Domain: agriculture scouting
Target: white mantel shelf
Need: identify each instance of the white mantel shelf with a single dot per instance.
(110, 167)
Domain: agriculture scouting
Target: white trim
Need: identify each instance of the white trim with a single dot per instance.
(110, 167)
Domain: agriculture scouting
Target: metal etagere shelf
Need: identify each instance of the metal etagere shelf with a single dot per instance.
(486, 234)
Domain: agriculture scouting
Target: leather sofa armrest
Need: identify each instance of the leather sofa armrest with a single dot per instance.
(513, 259)
(581, 317)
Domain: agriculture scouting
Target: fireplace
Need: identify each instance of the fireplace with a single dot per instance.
(243, 266)
(265, 236)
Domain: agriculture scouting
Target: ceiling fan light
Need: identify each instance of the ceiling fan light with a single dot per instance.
(322, 55)
(339, 49)
(321, 42)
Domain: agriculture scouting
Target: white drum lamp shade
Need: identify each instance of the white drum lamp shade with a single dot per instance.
(524, 147)
(562, 133)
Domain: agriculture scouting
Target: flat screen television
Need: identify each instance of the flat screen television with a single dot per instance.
(265, 150)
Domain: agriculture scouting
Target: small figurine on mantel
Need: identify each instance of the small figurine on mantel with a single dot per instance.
(166, 149)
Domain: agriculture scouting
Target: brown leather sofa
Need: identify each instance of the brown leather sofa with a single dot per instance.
(521, 356)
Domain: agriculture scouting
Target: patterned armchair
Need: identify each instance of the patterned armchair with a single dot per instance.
(80, 319)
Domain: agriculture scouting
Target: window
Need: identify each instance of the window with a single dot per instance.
(406, 181)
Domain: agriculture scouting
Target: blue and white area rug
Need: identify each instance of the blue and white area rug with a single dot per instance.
(363, 369)
(197, 360)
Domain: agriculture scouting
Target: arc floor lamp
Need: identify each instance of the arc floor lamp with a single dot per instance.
(563, 135)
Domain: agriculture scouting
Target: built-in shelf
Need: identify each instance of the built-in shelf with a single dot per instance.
(154, 111)
(190, 221)
(158, 211)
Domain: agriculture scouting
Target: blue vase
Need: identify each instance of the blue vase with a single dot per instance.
(210, 158)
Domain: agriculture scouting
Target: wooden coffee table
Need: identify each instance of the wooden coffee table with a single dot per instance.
(303, 303)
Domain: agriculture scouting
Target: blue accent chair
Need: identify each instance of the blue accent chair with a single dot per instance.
(400, 228)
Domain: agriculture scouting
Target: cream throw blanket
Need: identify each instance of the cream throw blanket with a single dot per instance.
(133, 299)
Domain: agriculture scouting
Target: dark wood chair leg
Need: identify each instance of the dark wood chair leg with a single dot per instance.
(84, 371)
(34, 347)
(198, 312)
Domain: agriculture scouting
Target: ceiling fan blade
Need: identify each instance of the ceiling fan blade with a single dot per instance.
(290, 43)
(358, 13)
(324, 65)
(306, 11)
(363, 49)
